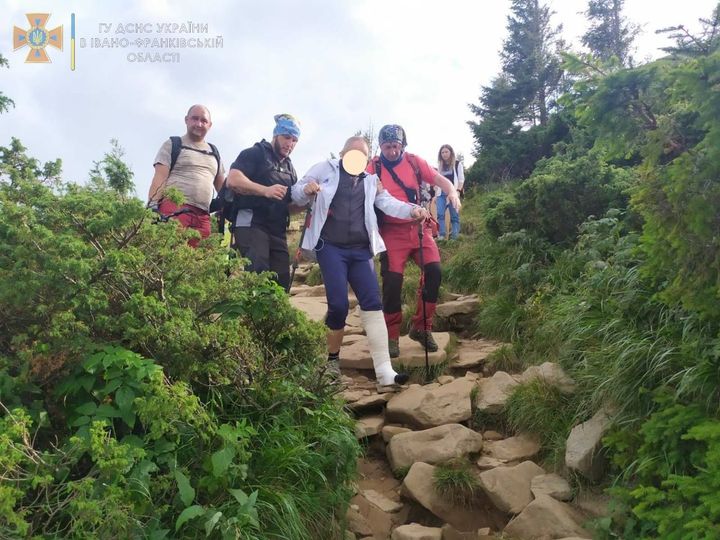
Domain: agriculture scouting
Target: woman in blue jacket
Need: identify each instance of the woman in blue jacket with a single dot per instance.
(344, 236)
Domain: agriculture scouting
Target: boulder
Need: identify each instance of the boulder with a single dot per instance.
(368, 426)
(494, 391)
(357, 523)
(419, 486)
(309, 291)
(445, 379)
(412, 353)
(547, 518)
(553, 485)
(552, 374)
(415, 531)
(485, 463)
(472, 353)
(388, 432)
(582, 449)
(434, 445)
(381, 501)
(369, 402)
(518, 448)
(313, 306)
(451, 533)
(462, 306)
(428, 406)
(509, 487)
(456, 314)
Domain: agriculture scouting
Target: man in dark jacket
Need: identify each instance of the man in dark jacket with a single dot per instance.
(262, 176)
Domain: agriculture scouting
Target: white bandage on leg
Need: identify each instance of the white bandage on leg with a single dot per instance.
(374, 324)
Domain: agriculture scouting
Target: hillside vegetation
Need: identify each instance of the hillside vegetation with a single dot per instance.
(605, 257)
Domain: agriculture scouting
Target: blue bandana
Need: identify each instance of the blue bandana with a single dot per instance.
(286, 124)
(392, 133)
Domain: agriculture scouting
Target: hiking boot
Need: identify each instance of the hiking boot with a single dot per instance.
(332, 368)
(394, 347)
(419, 336)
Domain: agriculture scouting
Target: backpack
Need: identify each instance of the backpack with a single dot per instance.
(414, 196)
(224, 197)
(177, 145)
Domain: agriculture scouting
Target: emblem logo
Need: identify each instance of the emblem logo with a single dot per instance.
(37, 38)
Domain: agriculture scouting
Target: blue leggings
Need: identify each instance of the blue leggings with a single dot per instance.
(340, 266)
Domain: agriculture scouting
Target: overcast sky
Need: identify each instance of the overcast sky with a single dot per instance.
(338, 66)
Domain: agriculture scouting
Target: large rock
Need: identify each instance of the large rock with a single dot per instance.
(582, 449)
(547, 518)
(314, 307)
(382, 502)
(419, 486)
(462, 306)
(357, 523)
(494, 391)
(434, 445)
(509, 487)
(388, 432)
(553, 485)
(412, 353)
(457, 314)
(415, 531)
(308, 290)
(451, 533)
(372, 401)
(472, 353)
(429, 406)
(368, 426)
(552, 374)
(518, 448)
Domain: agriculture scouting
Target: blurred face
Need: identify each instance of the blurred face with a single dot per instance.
(391, 150)
(356, 145)
(284, 145)
(198, 123)
(445, 154)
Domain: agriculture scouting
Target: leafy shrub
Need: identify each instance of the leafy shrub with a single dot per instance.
(673, 470)
(151, 390)
(560, 195)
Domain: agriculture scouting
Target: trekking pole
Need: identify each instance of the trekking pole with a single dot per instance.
(423, 293)
(298, 252)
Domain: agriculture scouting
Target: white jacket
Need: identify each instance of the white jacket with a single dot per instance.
(327, 175)
(458, 177)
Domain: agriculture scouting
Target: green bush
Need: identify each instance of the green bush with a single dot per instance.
(562, 193)
(672, 467)
(144, 393)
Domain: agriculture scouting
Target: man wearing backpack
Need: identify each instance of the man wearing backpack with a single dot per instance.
(193, 166)
(261, 177)
(402, 174)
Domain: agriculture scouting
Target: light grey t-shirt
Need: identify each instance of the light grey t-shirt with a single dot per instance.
(194, 172)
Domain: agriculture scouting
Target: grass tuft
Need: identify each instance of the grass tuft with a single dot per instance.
(456, 481)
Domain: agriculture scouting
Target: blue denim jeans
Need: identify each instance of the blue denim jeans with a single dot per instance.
(442, 204)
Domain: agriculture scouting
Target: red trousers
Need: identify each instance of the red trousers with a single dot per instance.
(196, 218)
(403, 242)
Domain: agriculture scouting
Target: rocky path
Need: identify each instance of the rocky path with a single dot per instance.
(410, 435)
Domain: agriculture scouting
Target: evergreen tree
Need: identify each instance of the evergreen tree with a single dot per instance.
(695, 44)
(609, 35)
(531, 61)
(5, 102)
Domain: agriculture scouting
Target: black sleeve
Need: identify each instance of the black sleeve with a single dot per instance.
(248, 161)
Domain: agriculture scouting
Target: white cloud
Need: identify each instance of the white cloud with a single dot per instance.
(339, 66)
